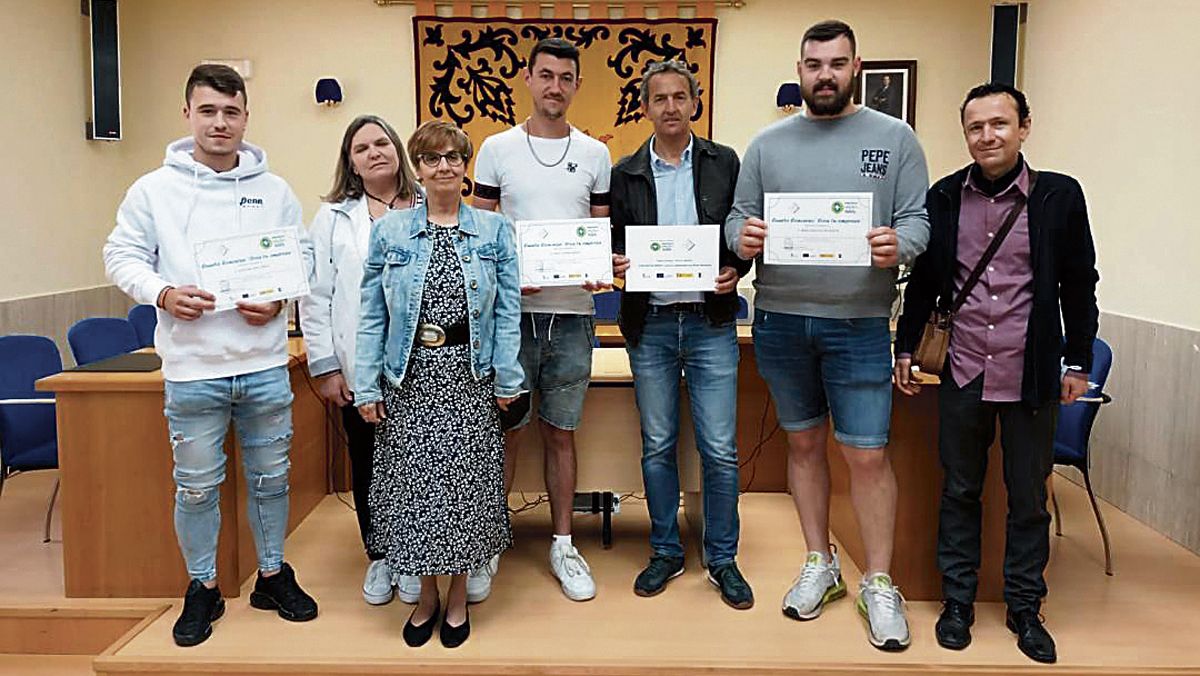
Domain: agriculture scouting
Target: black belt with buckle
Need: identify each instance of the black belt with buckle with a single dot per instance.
(694, 308)
(432, 335)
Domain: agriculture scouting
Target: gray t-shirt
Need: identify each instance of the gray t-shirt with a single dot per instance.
(865, 151)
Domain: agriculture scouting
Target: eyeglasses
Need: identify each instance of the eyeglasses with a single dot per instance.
(431, 160)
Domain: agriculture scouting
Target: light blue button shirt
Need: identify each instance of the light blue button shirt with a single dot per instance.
(676, 194)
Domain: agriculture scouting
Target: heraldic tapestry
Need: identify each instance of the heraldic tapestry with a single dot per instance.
(470, 72)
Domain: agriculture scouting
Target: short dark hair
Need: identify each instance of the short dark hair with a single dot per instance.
(215, 76)
(658, 68)
(555, 47)
(830, 29)
(991, 89)
(433, 135)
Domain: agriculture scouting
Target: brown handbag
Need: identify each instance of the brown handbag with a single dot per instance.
(930, 355)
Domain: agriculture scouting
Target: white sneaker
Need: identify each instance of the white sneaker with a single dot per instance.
(819, 582)
(377, 585)
(572, 572)
(882, 605)
(408, 588)
(479, 583)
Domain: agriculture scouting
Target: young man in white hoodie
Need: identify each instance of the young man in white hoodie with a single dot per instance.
(216, 365)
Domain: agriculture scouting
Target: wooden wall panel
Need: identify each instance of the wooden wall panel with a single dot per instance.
(52, 314)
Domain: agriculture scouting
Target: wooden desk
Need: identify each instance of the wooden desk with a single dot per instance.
(914, 455)
(608, 443)
(118, 494)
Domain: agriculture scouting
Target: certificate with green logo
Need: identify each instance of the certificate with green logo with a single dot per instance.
(257, 267)
(672, 257)
(569, 252)
(817, 228)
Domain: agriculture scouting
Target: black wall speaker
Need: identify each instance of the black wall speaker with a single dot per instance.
(105, 122)
(1007, 23)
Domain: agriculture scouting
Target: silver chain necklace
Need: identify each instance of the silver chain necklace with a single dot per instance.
(529, 142)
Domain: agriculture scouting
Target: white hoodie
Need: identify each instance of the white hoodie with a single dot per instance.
(163, 215)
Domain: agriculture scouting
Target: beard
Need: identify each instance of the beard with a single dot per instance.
(827, 106)
(553, 113)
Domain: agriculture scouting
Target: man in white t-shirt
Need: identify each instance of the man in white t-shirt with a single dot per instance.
(545, 169)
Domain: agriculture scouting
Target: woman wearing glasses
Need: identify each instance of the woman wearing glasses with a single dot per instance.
(372, 177)
(437, 361)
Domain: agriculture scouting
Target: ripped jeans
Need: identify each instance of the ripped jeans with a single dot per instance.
(198, 414)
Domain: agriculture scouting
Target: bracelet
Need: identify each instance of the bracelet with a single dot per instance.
(162, 295)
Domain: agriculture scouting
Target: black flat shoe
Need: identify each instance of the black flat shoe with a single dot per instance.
(416, 636)
(452, 637)
(953, 627)
(1032, 637)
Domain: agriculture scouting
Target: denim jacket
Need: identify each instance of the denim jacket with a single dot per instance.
(393, 282)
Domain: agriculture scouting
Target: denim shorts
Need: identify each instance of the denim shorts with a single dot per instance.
(556, 355)
(815, 366)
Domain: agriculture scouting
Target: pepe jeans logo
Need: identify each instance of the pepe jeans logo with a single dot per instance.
(875, 162)
(571, 167)
(251, 203)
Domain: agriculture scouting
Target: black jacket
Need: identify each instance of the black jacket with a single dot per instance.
(635, 202)
(1064, 276)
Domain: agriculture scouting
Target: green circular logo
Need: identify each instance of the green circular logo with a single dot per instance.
(580, 231)
(655, 246)
(838, 207)
(265, 242)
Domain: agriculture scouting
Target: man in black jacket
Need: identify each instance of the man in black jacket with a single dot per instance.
(1008, 358)
(678, 178)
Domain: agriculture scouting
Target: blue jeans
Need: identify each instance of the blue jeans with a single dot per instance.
(817, 366)
(684, 342)
(198, 414)
(556, 356)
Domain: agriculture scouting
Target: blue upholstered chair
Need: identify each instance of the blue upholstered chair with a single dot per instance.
(1074, 432)
(28, 436)
(743, 310)
(144, 319)
(99, 338)
(608, 304)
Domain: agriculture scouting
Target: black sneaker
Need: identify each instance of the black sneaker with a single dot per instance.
(657, 574)
(201, 607)
(280, 592)
(735, 591)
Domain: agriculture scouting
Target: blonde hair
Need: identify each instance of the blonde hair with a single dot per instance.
(347, 184)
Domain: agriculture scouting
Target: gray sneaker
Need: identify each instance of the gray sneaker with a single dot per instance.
(408, 588)
(377, 584)
(479, 583)
(819, 582)
(882, 605)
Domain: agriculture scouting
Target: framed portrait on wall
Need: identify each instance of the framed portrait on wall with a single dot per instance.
(889, 87)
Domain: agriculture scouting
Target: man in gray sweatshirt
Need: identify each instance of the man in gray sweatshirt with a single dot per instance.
(821, 334)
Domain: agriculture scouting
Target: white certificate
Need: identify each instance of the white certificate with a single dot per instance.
(672, 257)
(565, 253)
(256, 267)
(817, 228)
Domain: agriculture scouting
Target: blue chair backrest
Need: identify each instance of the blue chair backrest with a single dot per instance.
(23, 360)
(99, 338)
(743, 307)
(608, 304)
(1075, 421)
(144, 319)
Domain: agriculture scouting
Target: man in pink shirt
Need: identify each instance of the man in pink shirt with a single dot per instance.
(1008, 359)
